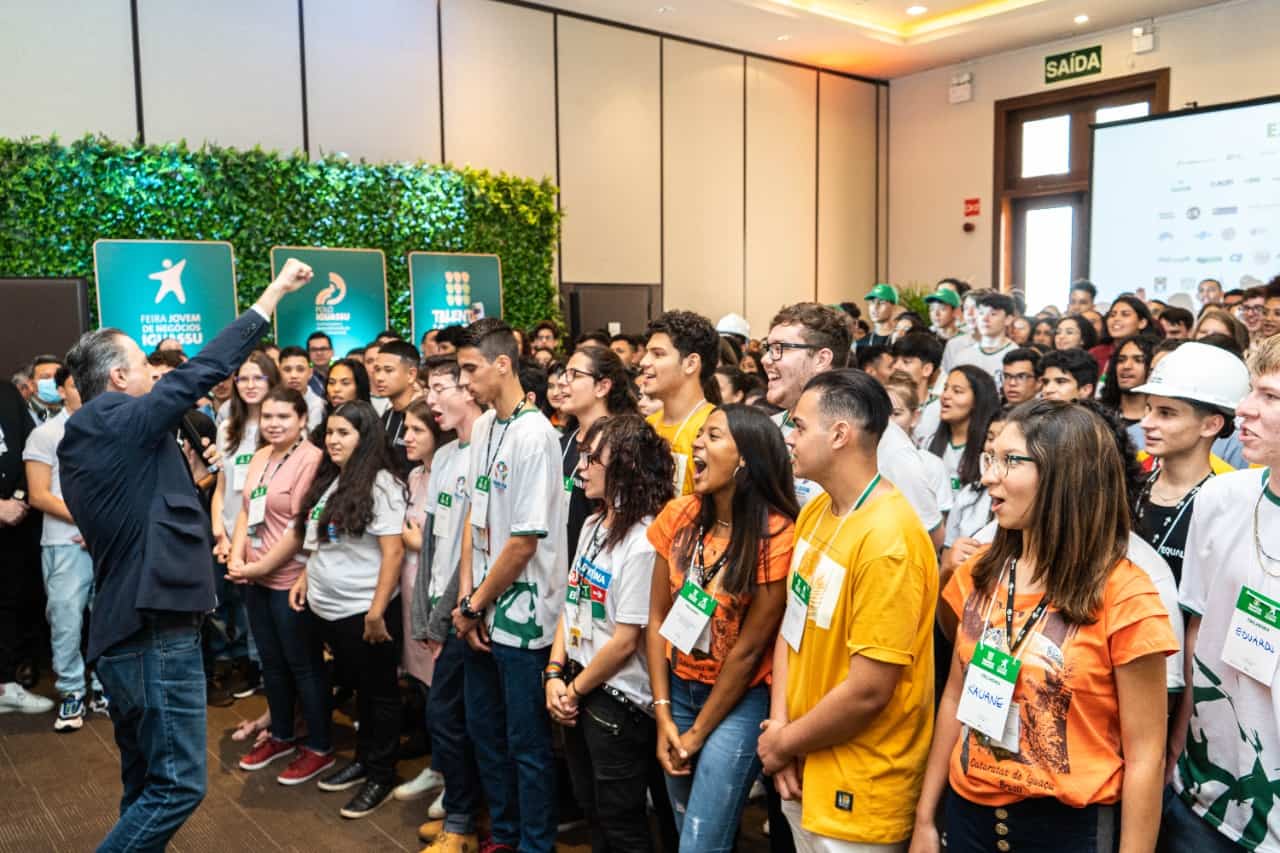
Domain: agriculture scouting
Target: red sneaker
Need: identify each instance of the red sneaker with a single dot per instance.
(265, 753)
(491, 846)
(307, 765)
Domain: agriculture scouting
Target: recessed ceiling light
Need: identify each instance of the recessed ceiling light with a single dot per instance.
(1082, 19)
(662, 10)
(784, 37)
(917, 10)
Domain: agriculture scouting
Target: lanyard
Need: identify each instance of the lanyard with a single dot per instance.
(488, 439)
(1179, 510)
(857, 505)
(1039, 610)
(390, 416)
(263, 476)
(568, 445)
(597, 543)
(680, 429)
(702, 576)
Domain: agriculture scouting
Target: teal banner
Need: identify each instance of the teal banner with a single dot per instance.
(452, 289)
(157, 289)
(346, 299)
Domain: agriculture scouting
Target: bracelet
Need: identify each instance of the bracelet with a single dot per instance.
(657, 702)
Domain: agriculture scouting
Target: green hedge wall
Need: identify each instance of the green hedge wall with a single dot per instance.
(55, 200)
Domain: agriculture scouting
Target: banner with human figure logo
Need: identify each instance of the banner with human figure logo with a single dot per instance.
(157, 289)
(452, 289)
(346, 299)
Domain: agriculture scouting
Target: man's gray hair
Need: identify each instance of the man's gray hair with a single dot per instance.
(92, 358)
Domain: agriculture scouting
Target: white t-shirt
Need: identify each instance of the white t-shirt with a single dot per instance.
(1233, 741)
(315, 409)
(342, 576)
(235, 459)
(806, 490)
(969, 514)
(899, 461)
(991, 362)
(617, 582)
(521, 458)
(380, 404)
(951, 456)
(930, 420)
(951, 352)
(935, 473)
(1144, 557)
(42, 446)
(448, 502)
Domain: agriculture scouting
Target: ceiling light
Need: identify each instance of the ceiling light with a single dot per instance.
(917, 10)
(784, 37)
(1082, 19)
(662, 10)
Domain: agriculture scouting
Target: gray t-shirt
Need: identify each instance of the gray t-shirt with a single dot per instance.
(42, 446)
(342, 576)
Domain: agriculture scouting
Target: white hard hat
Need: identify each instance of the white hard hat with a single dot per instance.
(1202, 373)
(734, 324)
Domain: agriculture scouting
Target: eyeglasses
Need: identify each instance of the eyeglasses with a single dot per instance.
(774, 349)
(573, 374)
(251, 380)
(1000, 466)
(1019, 377)
(1250, 309)
(440, 389)
(594, 458)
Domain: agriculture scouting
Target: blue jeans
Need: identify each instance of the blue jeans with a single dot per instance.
(708, 803)
(292, 665)
(156, 683)
(451, 750)
(1184, 831)
(511, 733)
(232, 637)
(68, 589)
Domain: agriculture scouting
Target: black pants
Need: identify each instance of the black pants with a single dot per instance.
(375, 670)
(611, 754)
(22, 620)
(1037, 825)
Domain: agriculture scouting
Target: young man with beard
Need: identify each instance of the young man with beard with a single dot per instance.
(806, 339)
(511, 586)
(434, 597)
(1226, 739)
(1191, 401)
(994, 312)
(395, 378)
(679, 371)
(881, 302)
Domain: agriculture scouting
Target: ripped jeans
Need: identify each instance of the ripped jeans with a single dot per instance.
(708, 803)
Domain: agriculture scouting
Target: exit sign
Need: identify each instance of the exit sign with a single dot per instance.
(1073, 64)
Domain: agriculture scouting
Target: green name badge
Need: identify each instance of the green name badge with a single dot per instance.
(317, 510)
(568, 484)
(244, 458)
(445, 499)
(260, 492)
(1002, 666)
(700, 599)
(800, 587)
(482, 484)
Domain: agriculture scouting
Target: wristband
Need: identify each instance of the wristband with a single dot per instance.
(551, 676)
(464, 607)
(657, 702)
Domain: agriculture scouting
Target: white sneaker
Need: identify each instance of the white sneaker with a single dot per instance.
(14, 697)
(416, 788)
(436, 810)
(757, 790)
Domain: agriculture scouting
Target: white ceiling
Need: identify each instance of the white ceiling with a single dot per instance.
(876, 38)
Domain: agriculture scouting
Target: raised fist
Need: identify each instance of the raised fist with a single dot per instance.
(294, 275)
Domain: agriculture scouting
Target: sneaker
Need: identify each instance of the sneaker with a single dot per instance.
(369, 797)
(216, 693)
(491, 846)
(347, 777)
(245, 679)
(70, 713)
(436, 810)
(308, 765)
(266, 752)
(420, 786)
(100, 704)
(453, 842)
(14, 697)
(757, 790)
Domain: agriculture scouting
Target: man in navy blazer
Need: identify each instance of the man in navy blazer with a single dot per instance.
(127, 485)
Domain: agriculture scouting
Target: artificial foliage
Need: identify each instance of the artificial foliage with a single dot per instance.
(55, 200)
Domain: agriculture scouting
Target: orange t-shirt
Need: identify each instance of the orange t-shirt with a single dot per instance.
(1069, 745)
(668, 534)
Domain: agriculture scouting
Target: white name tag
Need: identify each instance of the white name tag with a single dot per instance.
(797, 613)
(480, 501)
(688, 623)
(240, 471)
(311, 540)
(577, 609)
(443, 514)
(257, 506)
(681, 461)
(987, 696)
(567, 495)
(1253, 637)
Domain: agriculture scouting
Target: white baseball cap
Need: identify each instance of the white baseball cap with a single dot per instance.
(1201, 373)
(734, 324)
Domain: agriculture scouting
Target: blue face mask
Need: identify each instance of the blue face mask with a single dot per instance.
(47, 392)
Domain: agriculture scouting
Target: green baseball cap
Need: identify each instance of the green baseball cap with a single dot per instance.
(885, 293)
(945, 295)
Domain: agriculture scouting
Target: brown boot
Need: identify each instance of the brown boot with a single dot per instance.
(453, 842)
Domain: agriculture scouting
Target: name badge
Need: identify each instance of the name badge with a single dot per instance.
(240, 471)
(443, 513)
(687, 626)
(797, 611)
(681, 461)
(578, 609)
(987, 697)
(567, 494)
(480, 502)
(1253, 636)
(257, 506)
(311, 540)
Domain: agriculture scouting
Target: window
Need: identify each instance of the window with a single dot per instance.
(1141, 109)
(1046, 146)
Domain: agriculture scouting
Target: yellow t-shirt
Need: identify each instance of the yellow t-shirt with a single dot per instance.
(680, 436)
(874, 586)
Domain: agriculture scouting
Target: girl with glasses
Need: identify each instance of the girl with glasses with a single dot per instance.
(723, 554)
(1047, 735)
(597, 685)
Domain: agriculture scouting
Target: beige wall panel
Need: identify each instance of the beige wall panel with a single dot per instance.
(226, 72)
(65, 79)
(499, 87)
(610, 161)
(781, 152)
(373, 88)
(703, 123)
(846, 188)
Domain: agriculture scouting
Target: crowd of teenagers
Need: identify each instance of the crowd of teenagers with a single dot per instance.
(984, 581)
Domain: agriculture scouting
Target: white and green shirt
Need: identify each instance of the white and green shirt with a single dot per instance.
(1229, 771)
(990, 361)
(520, 461)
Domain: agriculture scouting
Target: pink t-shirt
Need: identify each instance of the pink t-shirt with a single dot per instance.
(417, 660)
(287, 486)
